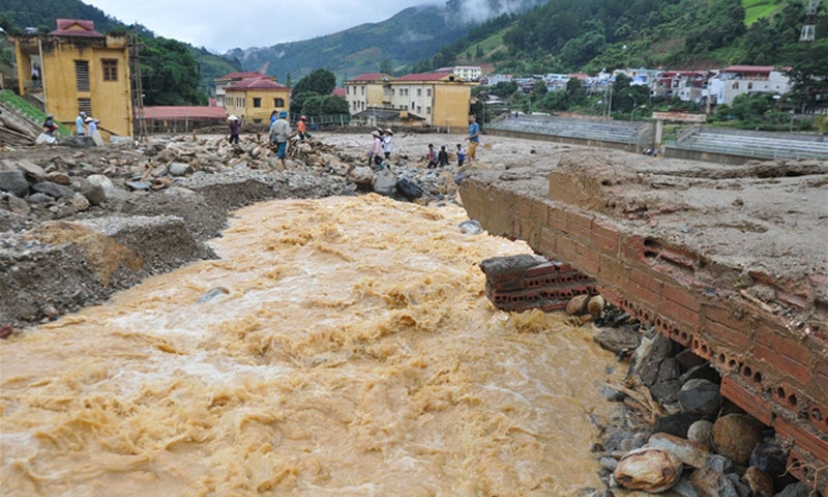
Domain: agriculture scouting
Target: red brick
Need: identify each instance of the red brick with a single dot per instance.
(587, 252)
(682, 297)
(556, 219)
(566, 249)
(643, 279)
(747, 400)
(792, 349)
(724, 316)
(608, 245)
(579, 224)
(548, 243)
(719, 332)
(796, 467)
(680, 313)
(822, 378)
(642, 294)
(612, 272)
(804, 440)
(604, 229)
(783, 364)
(610, 296)
(632, 248)
(587, 265)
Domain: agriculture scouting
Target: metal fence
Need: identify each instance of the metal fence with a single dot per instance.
(571, 128)
(781, 152)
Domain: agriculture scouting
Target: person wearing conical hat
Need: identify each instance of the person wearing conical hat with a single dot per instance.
(386, 143)
(235, 127)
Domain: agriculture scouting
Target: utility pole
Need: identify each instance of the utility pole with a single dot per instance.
(139, 123)
(809, 29)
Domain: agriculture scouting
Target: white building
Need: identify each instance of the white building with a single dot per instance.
(743, 80)
(468, 73)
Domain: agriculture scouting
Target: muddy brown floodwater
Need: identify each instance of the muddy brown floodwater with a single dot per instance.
(354, 353)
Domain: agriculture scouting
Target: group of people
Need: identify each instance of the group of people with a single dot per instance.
(381, 147)
(279, 132)
(90, 122)
(441, 158)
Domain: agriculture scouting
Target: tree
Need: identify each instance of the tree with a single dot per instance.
(320, 81)
(170, 73)
(479, 52)
(576, 91)
(287, 80)
(539, 91)
(386, 67)
(809, 72)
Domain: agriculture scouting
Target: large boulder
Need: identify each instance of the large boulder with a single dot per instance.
(95, 193)
(701, 432)
(700, 396)
(711, 483)
(14, 182)
(648, 469)
(736, 435)
(179, 169)
(385, 183)
(54, 190)
(362, 175)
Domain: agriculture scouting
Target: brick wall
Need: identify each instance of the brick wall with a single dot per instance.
(777, 373)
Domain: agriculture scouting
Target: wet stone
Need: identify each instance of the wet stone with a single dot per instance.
(18, 205)
(700, 396)
(701, 432)
(14, 182)
(618, 340)
(676, 424)
(54, 190)
(648, 469)
(736, 435)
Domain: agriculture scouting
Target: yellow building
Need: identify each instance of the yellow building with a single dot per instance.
(439, 99)
(254, 99)
(74, 68)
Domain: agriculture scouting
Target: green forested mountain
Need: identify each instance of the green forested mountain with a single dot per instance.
(590, 35)
(409, 36)
(174, 73)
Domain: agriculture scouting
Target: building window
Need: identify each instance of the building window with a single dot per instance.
(278, 102)
(736, 85)
(419, 92)
(419, 110)
(412, 105)
(85, 105)
(257, 121)
(110, 69)
(393, 92)
(82, 74)
(750, 86)
(363, 89)
(257, 102)
(428, 92)
(428, 110)
(347, 90)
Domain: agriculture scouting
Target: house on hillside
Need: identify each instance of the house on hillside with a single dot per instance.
(253, 99)
(230, 79)
(688, 86)
(469, 73)
(733, 81)
(75, 68)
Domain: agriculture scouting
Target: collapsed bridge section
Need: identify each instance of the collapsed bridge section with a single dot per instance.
(727, 261)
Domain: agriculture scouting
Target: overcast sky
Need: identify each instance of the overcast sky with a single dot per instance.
(221, 25)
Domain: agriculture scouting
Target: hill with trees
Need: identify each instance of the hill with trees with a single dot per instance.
(394, 45)
(174, 73)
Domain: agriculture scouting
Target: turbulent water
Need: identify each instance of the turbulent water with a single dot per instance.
(350, 351)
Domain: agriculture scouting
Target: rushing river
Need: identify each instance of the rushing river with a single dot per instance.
(353, 354)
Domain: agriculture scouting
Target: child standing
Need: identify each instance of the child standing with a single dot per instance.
(442, 157)
(432, 157)
(461, 155)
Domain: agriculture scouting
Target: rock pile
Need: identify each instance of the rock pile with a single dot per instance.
(673, 432)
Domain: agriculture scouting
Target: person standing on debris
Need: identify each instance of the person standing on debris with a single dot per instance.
(461, 155)
(386, 143)
(235, 126)
(91, 126)
(79, 123)
(302, 128)
(376, 149)
(49, 125)
(279, 135)
(473, 138)
(432, 157)
(442, 157)
(273, 116)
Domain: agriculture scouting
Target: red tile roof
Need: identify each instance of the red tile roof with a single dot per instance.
(372, 76)
(434, 76)
(260, 83)
(749, 69)
(340, 92)
(182, 112)
(242, 75)
(68, 27)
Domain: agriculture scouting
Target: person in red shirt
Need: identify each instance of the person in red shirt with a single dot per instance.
(302, 128)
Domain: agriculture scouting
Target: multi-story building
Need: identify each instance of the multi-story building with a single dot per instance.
(366, 92)
(230, 79)
(439, 99)
(733, 81)
(689, 86)
(469, 73)
(254, 99)
(75, 68)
